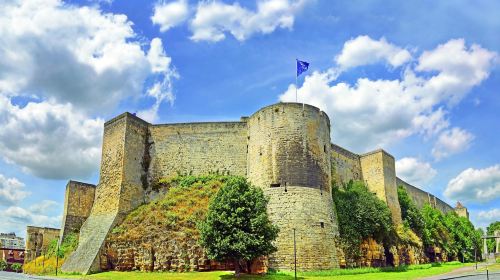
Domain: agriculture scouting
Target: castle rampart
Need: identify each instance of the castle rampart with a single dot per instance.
(285, 149)
(421, 197)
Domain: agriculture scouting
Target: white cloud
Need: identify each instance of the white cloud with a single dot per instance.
(452, 141)
(11, 191)
(475, 185)
(50, 140)
(485, 218)
(363, 50)
(16, 219)
(171, 14)
(72, 62)
(375, 113)
(45, 206)
(414, 171)
(73, 54)
(214, 19)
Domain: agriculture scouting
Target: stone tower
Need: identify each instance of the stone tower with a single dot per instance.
(379, 173)
(119, 190)
(289, 158)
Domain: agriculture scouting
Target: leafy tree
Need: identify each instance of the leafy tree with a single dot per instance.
(3, 265)
(490, 230)
(361, 214)
(464, 237)
(237, 226)
(435, 232)
(412, 217)
(17, 267)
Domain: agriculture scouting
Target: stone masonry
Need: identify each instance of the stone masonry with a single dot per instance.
(285, 149)
(38, 240)
(78, 201)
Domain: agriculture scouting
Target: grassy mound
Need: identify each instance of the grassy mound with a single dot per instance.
(185, 203)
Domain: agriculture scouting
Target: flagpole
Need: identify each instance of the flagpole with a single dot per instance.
(296, 100)
(296, 63)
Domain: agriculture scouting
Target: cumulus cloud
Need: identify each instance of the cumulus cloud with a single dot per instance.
(73, 63)
(364, 50)
(51, 140)
(475, 185)
(414, 171)
(11, 191)
(375, 113)
(452, 141)
(73, 54)
(170, 14)
(16, 218)
(486, 217)
(45, 206)
(214, 19)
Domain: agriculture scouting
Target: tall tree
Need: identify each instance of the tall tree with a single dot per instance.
(237, 226)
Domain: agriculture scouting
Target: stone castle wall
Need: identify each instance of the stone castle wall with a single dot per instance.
(346, 166)
(78, 201)
(197, 148)
(379, 173)
(289, 158)
(421, 197)
(285, 149)
(38, 240)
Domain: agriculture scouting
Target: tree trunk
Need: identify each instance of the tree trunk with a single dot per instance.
(237, 268)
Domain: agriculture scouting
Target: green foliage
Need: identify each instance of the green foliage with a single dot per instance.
(490, 230)
(435, 232)
(412, 217)
(17, 267)
(68, 245)
(3, 265)
(464, 238)
(455, 235)
(237, 226)
(360, 215)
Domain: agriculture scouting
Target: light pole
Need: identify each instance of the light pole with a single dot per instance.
(475, 258)
(295, 254)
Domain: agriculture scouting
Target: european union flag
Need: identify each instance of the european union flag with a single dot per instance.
(302, 67)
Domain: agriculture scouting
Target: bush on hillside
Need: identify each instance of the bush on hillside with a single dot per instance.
(361, 214)
(411, 215)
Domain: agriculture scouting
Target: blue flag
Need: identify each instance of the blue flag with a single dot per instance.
(302, 67)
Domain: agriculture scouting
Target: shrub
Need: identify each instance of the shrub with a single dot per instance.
(17, 267)
(3, 265)
(411, 215)
(361, 214)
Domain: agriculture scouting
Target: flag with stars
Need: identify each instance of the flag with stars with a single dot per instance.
(302, 67)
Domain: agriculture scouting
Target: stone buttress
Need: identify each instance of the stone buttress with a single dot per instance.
(119, 191)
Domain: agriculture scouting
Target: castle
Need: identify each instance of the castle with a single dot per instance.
(285, 149)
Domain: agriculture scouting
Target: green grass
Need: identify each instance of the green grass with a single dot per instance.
(406, 272)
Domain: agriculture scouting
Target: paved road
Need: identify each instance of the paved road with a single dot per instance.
(480, 276)
(19, 276)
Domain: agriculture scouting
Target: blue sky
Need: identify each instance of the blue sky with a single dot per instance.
(417, 78)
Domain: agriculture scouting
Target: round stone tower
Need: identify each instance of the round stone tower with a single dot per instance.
(289, 158)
